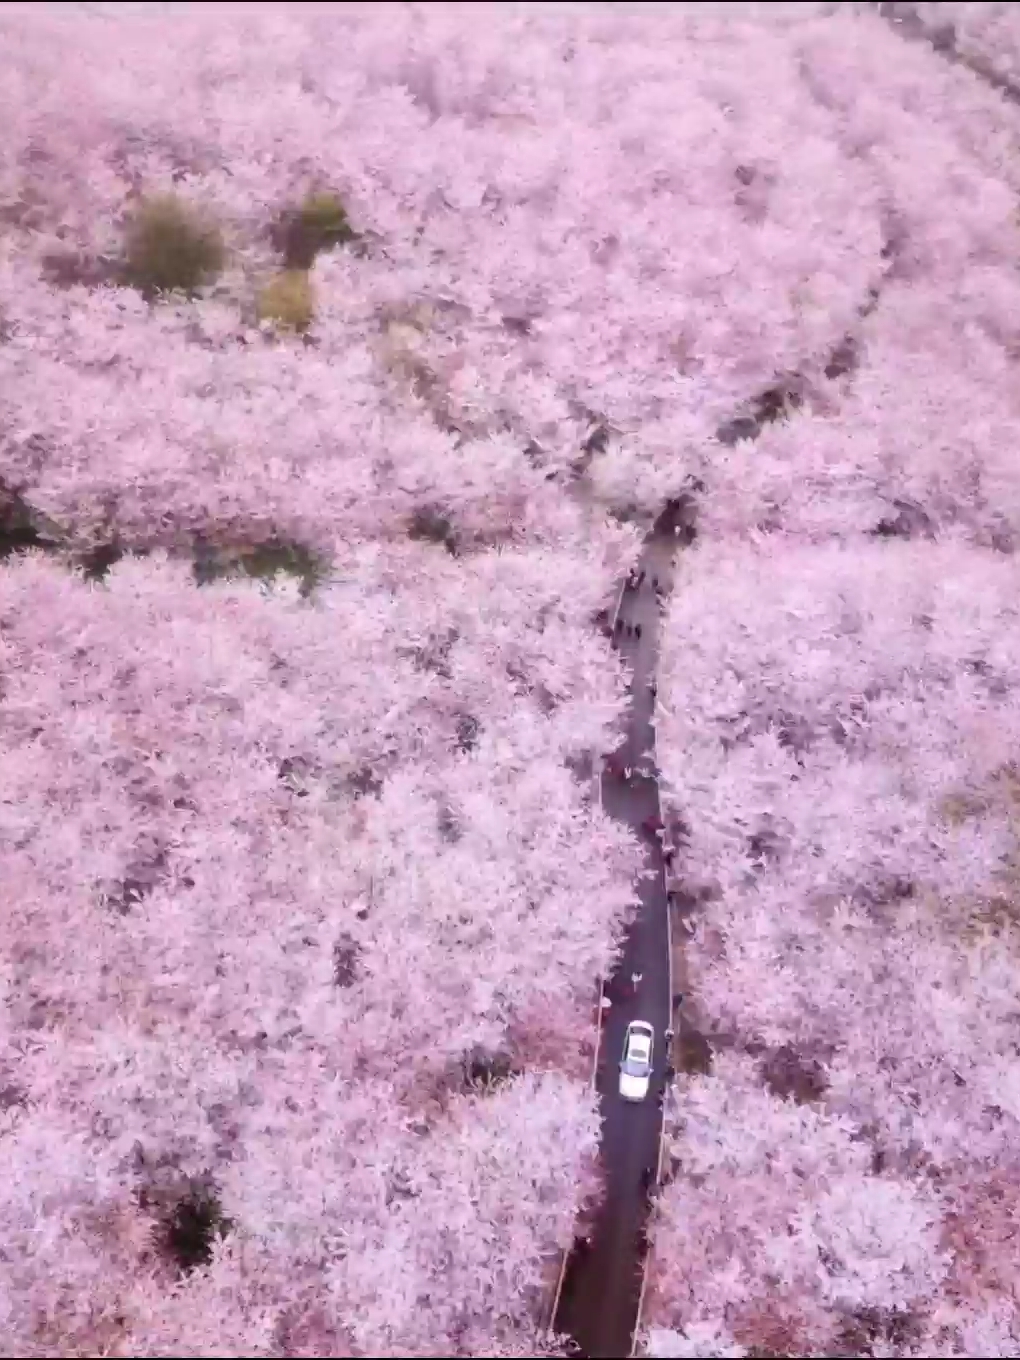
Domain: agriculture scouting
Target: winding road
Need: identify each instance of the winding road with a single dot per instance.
(599, 1301)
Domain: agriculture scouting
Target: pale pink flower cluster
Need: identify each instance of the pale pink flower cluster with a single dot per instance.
(839, 711)
(281, 873)
(276, 875)
(838, 739)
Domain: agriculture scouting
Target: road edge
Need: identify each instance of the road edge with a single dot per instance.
(550, 1313)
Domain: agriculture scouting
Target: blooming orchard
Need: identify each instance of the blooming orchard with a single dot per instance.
(304, 887)
(283, 885)
(562, 225)
(841, 749)
(837, 727)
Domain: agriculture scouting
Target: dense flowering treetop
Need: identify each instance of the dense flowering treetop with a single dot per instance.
(287, 878)
(564, 216)
(279, 871)
(279, 877)
(837, 726)
(982, 35)
(838, 717)
(837, 729)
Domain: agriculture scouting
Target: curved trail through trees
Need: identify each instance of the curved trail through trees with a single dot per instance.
(598, 1306)
(600, 1298)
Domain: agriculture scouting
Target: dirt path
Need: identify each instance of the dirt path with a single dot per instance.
(602, 1285)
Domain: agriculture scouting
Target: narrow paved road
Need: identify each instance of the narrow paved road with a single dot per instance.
(602, 1284)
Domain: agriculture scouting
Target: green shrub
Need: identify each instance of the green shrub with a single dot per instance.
(319, 223)
(431, 524)
(288, 300)
(189, 1230)
(170, 247)
(261, 562)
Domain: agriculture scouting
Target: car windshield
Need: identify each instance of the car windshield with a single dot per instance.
(635, 1062)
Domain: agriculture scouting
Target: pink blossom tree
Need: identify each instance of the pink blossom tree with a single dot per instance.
(566, 224)
(295, 893)
(837, 713)
(836, 730)
(304, 889)
(907, 428)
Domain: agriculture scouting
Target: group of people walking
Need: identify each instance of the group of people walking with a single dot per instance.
(617, 765)
(635, 581)
(625, 988)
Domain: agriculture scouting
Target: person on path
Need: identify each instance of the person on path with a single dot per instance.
(637, 630)
(635, 978)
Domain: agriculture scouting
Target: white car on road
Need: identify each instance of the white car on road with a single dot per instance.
(636, 1067)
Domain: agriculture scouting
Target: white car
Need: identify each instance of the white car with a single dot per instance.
(636, 1067)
